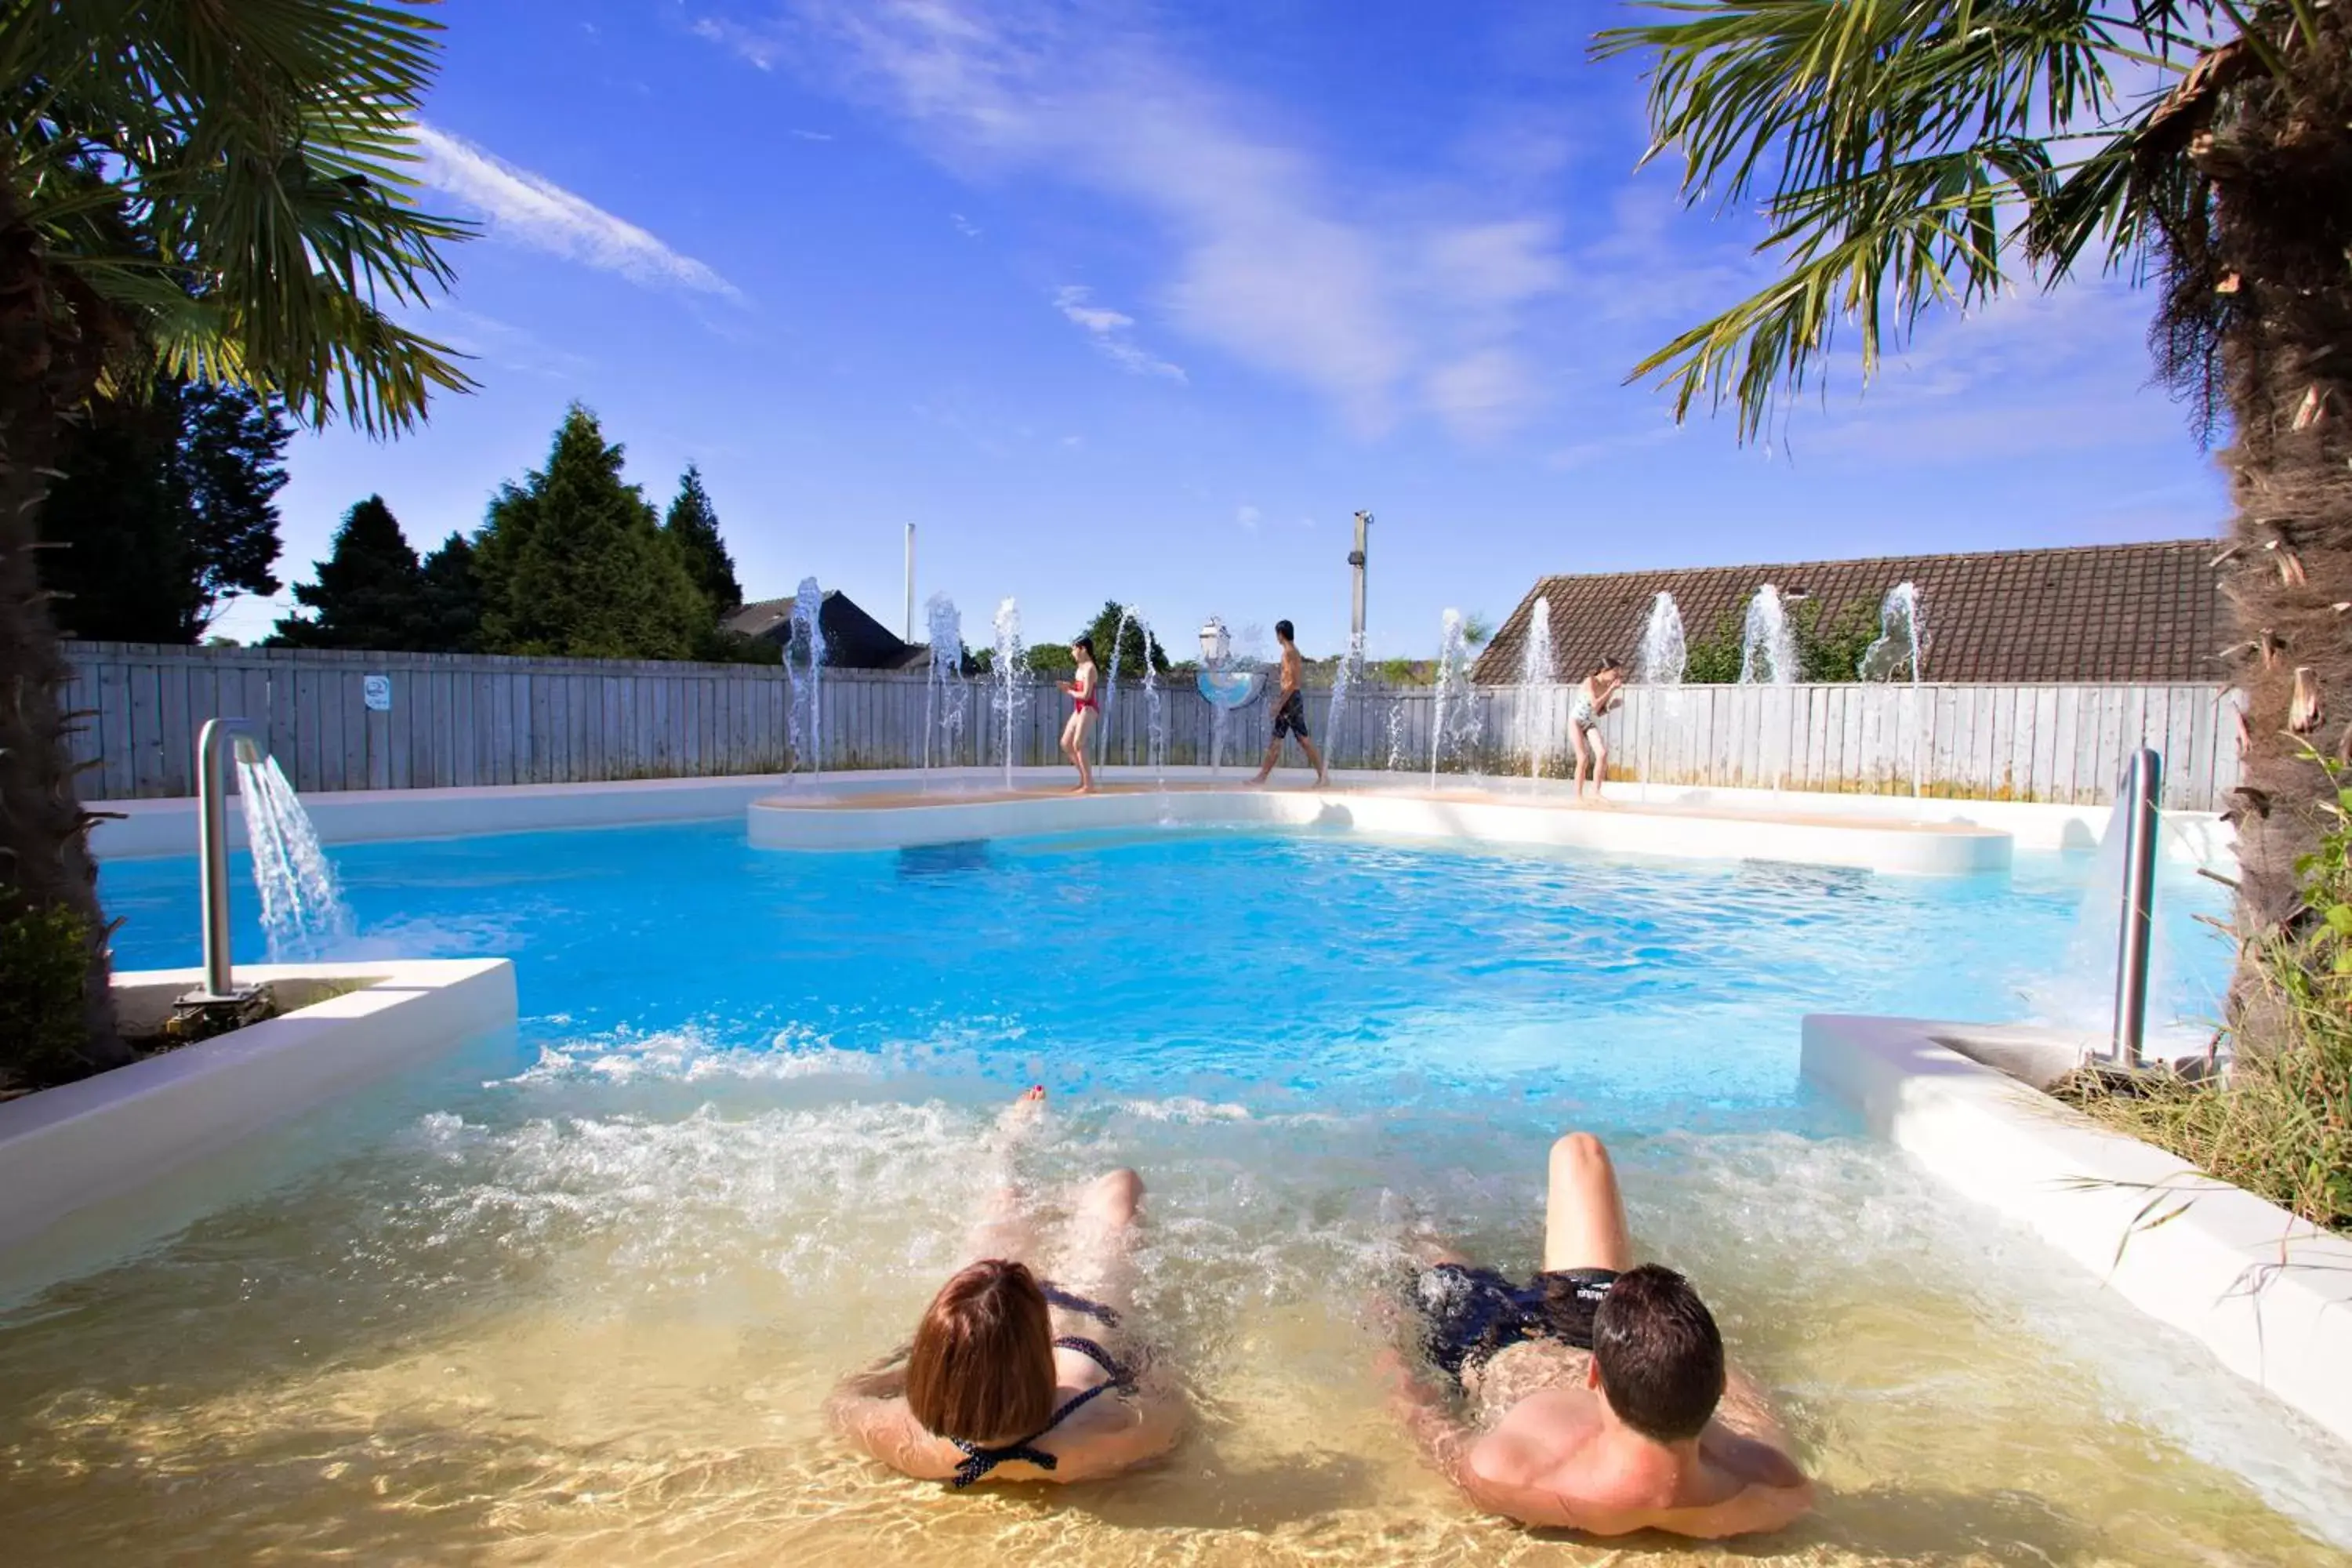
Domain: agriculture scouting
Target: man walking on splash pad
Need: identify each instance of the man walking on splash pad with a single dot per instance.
(1290, 714)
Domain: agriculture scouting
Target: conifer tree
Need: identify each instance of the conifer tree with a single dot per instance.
(166, 508)
(449, 601)
(573, 562)
(367, 589)
(693, 527)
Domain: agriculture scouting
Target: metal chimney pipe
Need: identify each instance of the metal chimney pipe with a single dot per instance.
(1356, 563)
(2141, 787)
(212, 844)
(910, 583)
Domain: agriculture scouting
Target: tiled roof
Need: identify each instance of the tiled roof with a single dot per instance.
(2092, 613)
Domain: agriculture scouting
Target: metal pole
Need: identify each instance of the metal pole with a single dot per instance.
(2141, 787)
(212, 845)
(910, 584)
(1356, 562)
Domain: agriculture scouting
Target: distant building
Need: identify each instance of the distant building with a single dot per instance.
(2088, 614)
(852, 639)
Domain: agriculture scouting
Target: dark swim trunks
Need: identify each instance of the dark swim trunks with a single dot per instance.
(1290, 718)
(1469, 1313)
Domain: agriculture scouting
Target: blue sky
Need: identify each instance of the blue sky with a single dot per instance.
(1122, 300)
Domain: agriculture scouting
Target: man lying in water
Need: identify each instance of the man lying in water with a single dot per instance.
(1012, 1376)
(1597, 1396)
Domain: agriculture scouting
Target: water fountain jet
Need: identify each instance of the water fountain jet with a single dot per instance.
(1005, 678)
(804, 664)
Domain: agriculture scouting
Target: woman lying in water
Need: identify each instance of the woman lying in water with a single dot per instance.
(1012, 1376)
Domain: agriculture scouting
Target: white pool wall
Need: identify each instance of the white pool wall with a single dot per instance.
(66, 1149)
(2268, 1294)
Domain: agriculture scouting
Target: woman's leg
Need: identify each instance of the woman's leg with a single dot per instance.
(1599, 764)
(1576, 739)
(1007, 1226)
(1084, 721)
(1098, 1248)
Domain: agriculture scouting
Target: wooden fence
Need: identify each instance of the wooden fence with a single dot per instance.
(471, 720)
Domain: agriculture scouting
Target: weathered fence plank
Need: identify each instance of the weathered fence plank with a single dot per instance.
(469, 721)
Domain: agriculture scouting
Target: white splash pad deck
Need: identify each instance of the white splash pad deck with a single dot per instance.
(868, 819)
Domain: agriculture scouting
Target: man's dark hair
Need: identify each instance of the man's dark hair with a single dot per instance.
(1660, 1354)
(1282, 630)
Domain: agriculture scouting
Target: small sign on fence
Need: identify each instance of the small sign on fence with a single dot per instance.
(375, 691)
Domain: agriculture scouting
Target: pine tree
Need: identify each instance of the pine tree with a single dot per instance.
(369, 588)
(449, 604)
(168, 507)
(1130, 650)
(693, 527)
(573, 562)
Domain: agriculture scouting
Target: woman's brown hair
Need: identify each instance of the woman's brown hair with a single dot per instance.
(982, 1365)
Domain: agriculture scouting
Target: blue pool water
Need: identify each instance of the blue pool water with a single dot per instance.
(583, 1292)
(1246, 966)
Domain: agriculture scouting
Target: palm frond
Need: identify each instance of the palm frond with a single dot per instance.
(1906, 155)
(256, 158)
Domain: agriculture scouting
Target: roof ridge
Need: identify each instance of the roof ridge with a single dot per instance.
(2151, 545)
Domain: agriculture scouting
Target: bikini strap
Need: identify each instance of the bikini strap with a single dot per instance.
(1060, 1298)
(978, 1460)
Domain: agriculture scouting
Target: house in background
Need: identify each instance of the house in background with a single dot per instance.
(852, 639)
(2147, 613)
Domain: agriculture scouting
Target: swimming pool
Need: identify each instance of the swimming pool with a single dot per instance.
(578, 1295)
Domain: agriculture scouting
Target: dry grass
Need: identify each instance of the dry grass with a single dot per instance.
(2279, 1122)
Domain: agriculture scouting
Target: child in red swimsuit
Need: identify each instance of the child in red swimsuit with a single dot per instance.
(1085, 707)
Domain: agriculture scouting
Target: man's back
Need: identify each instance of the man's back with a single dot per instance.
(1550, 1456)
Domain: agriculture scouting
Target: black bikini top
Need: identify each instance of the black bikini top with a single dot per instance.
(978, 1460)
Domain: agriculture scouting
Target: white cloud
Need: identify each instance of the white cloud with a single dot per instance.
(812, 135)
(1269, 258)
(965, 227)
(1480, 396)
(1248, 517)
(531, 211)
(1107, 329)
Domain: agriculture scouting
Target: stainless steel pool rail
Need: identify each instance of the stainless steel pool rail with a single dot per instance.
(213, 742)
(2141, 787)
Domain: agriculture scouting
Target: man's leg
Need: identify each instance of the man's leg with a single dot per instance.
(1322, 776)
(1272, 755)
(1584, 1218)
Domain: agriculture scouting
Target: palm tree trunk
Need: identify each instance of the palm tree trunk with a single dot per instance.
(45, 860)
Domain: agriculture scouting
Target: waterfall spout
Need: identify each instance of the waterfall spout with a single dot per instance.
(1536, 720)
(302, 909)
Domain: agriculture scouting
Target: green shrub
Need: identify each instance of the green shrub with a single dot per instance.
(44, 964)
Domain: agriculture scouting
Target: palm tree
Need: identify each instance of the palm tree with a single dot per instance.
(1909, 154)
(195, 188)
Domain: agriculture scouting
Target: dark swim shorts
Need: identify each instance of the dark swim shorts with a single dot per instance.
(1290, 718)
(1469, 1313)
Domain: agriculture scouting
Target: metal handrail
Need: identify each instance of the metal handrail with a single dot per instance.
(212, 847)
(2140, 789)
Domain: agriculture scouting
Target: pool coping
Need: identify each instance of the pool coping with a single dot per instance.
(2268, 1294)
(68, 1148)
(808, 822)
(168, 827)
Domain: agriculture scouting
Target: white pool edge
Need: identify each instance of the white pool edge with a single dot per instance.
(168, 827)
(71, 1148)
(2268, 1294)
(1894, 847)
